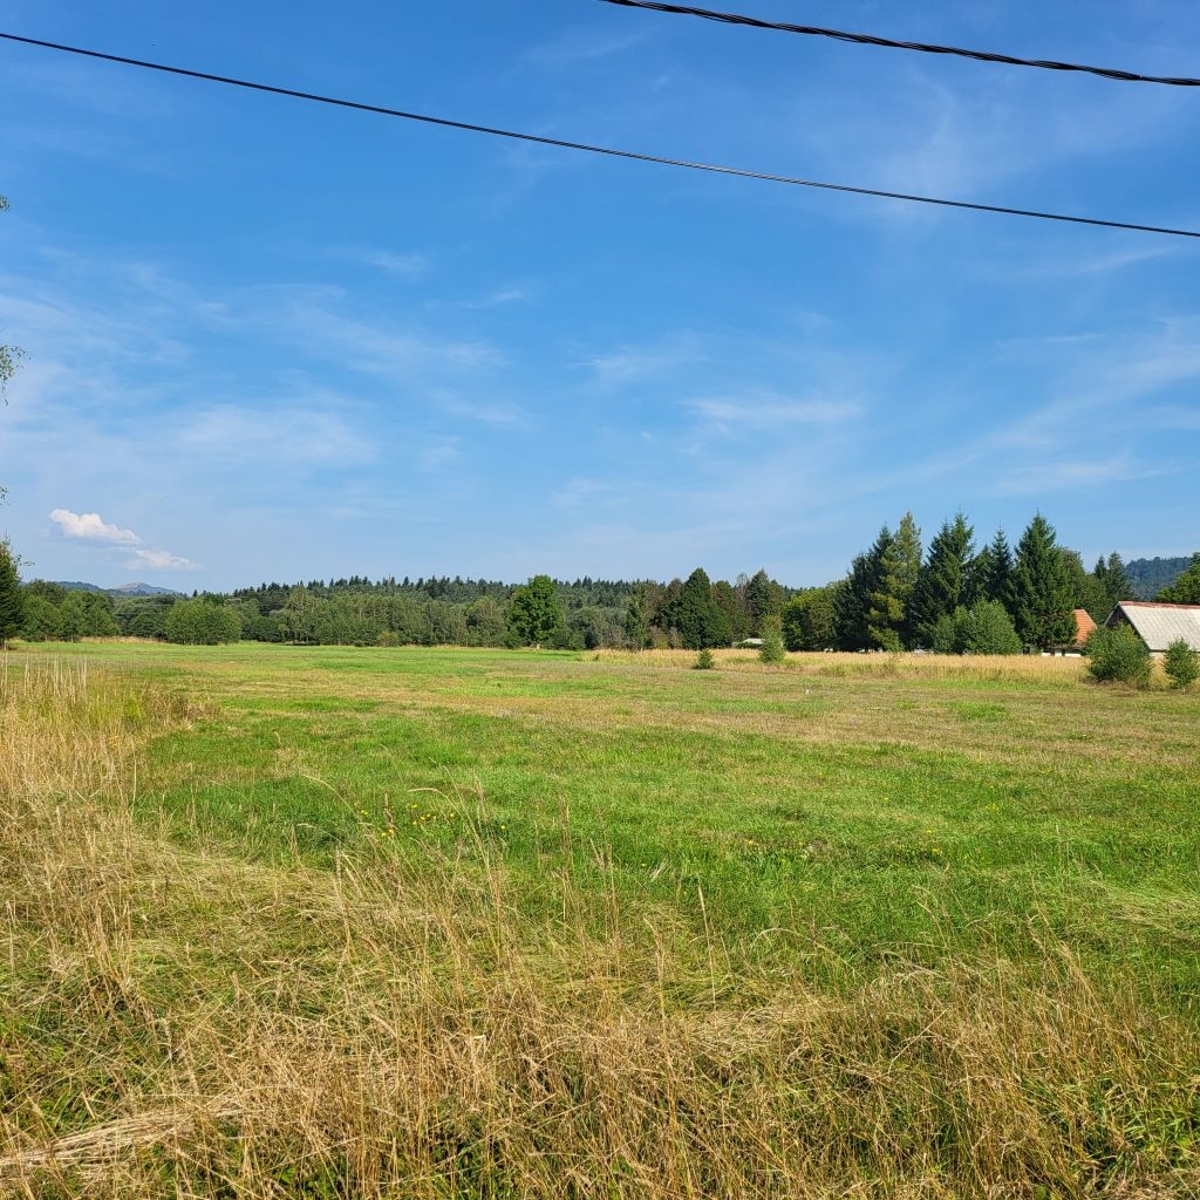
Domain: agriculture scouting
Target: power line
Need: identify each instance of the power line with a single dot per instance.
(870, 39)
(609, 151)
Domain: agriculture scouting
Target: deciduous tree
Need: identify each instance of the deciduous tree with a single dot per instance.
(534, 614)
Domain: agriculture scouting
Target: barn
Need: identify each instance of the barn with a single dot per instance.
(1158, 625)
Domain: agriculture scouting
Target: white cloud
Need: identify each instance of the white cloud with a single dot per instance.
(93, 527)
(161, 560)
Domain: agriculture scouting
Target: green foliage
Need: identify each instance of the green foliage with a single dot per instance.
(984, 628)
(1149, 576)
(809, 619)
(772, 650)
(854, 597)
(948, 636)
(1114, 583)
(1118, 655)
(12, 601)
(941, 585)
(201, 622)
(697, 616)
(897, 570)
(996, 582)
(1044, 602)
(43, 622)
(705, 660)
(764, 598)
(733, 602)
(1182, 664)
(639, 614)
(534, 613)
(1186, 588)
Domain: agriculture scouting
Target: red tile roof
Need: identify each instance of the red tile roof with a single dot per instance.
(1083, 625)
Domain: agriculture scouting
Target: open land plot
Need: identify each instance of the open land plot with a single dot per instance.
(466, 922)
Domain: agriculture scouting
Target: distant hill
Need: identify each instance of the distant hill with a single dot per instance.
(125, 589)
(141, 589)
(1150, 575)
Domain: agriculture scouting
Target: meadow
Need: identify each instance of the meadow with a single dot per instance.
(339, 922)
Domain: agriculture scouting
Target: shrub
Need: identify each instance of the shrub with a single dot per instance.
(772, 641)
(705, 660)
(1182, 664)
(1118, 655)
(985, 628)
(989, 629)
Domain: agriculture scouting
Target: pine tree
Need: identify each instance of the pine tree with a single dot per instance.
(12, 601)
(942, 582)
(1042, 589)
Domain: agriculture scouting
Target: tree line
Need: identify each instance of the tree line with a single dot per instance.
(896, 595)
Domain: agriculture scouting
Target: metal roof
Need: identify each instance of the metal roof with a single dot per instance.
(1158, 625)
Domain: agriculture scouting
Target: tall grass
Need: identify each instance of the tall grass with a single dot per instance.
(181, 1023)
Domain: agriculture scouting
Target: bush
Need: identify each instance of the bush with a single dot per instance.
(705, 660)
(1118, 655)
(1182, 664)
(772, 641)
(986, 628)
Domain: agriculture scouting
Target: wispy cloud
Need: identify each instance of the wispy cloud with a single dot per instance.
(1066, 474)
(583, 44)
(630, 364)
(161, 560)
(288, 433)
(403, 266)
(770, 410)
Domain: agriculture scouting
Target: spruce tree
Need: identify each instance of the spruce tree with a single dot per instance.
(12, 601)
(941, 585)
(998, 578)
(700, 621)
(853, 602)
(889, 615)
(1042, 589)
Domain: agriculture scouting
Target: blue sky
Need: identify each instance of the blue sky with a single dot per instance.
(268, 340)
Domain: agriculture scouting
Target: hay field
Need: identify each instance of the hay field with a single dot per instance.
(452, 923)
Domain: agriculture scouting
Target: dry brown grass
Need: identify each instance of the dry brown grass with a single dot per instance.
(181, 1024)
(991, 668)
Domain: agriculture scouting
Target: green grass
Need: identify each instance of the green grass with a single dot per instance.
(448, 924)
(922, 817)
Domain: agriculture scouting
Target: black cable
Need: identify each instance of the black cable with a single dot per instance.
(611, 152)
(870, 39)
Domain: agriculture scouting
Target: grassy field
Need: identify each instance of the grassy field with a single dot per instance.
(448, 923)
